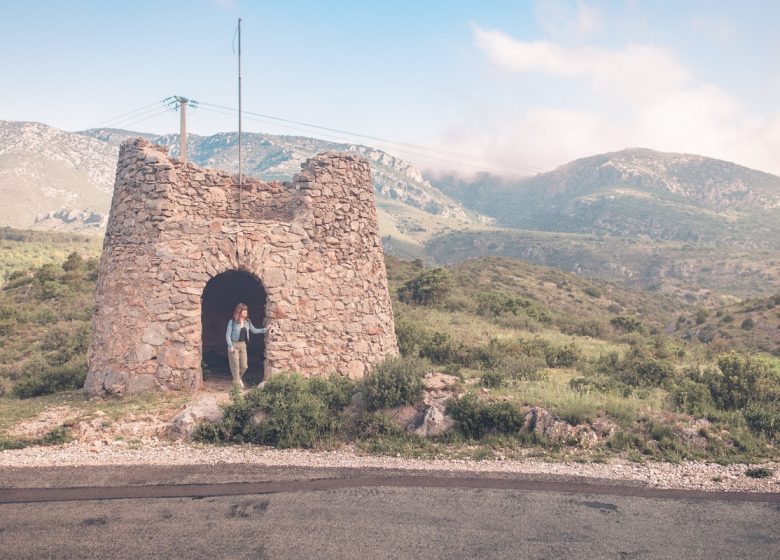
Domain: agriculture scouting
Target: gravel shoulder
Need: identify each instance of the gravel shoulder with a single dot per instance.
(684, 475)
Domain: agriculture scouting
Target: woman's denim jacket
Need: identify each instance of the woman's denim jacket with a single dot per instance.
(234, 331)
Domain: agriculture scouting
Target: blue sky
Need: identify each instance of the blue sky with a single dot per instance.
(534, 83)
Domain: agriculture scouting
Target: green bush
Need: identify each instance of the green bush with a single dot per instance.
(65, 341)
(594, 328)
(476, 419)
(627, 324)
(411, 337)
(289, 411)
(374, 425)
(295, 416)
(335, 391)
(396, 381)
(429, 287)
(440, 348)
(691, 397)
(562, 356)
(521, 367)
(748, 324)
(636, 368)
(758, 472)
(64, 377)
(764, 419)
(592, 292)
(492, 379)
(495, 304)
(738, 381)
(73, 262)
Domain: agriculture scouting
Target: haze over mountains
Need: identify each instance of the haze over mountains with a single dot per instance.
(636, 193)
(687, 223)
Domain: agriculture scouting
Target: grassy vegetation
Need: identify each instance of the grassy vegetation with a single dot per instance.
(695, 272)
(45, 318)
(517, 336)
(21, 250)
(529, 344)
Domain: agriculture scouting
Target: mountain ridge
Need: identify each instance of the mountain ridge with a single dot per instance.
(46, 172)
(633, 192)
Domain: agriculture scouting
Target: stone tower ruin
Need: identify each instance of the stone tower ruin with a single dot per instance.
(178, 255)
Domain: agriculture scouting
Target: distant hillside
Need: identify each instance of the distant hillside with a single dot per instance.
(636, 193)
(44, 170)
(752, 325)
(280, 157)
(693, 271)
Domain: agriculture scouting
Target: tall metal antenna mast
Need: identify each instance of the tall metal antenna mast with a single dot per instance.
(240, 177)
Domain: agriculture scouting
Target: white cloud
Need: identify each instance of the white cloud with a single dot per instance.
(567, 19)
(646, 97)
(635, 71)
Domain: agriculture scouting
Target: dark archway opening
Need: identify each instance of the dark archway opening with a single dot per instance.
(219, 298)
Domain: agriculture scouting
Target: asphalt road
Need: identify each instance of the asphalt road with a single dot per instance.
(326, 513)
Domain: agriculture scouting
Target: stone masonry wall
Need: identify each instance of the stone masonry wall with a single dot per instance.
(313, 244)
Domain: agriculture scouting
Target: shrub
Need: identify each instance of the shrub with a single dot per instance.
(64, 377)
(65, 341)
(562, 356)
(295, 416)
(440, 348)
(495, 304)
(492, 379)
(759, 472)
(738, 381)
(522, 367)
(429, 287)
(375, 424)
(293, 412)
(764, 419)
(593, 328)
(701, 316)
(627, 324)
(411, 337)
(335, 391)
(748, 324)
(73, 262)
(475, 419)
(592, 291)
(636, 368)
(691, 397)
(396, 381)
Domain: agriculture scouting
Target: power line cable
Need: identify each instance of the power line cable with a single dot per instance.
(120, 117)
(476, 165)
(388, 141)
(157, 114)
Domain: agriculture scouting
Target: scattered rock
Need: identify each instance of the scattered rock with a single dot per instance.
(435, 422)
(183, 424)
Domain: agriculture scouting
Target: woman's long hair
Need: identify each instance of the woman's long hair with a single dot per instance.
(237, 312)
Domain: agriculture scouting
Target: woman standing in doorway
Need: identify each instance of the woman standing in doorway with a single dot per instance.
(238, 329)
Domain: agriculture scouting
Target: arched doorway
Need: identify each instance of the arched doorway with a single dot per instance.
(219, 298)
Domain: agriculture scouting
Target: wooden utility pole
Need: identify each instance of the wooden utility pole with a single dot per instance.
(179, 103)
(183, 129)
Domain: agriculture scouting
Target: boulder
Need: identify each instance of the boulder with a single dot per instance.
(183, 424)
(434, 422)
